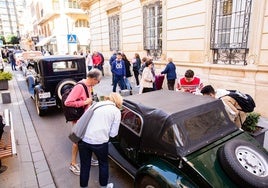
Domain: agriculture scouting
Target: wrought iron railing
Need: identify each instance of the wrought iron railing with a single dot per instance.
(229, 31)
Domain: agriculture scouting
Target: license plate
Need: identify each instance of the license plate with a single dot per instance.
(44, 95)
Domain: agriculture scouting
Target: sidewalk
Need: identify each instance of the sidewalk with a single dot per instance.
(28, 168)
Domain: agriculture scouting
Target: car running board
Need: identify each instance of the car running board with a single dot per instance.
(120, 161)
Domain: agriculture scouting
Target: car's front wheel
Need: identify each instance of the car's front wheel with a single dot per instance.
(148, 182)
(244, 163)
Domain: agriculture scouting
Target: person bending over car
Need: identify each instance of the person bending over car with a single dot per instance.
(103, 124)
(231, 105)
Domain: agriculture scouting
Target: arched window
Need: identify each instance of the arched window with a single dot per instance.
(82, 23)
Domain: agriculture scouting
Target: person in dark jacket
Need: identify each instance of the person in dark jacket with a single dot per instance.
(119, 71)
(128, 72)
(12, 61)
(136, 62)
(170, 70)
(112, 58)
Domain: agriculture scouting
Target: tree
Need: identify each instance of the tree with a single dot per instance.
(3, 39)
(12, 39)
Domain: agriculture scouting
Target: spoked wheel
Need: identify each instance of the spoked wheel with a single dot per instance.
(246, 164)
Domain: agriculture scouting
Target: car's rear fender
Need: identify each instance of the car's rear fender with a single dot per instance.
(45, 102)
(164, 174)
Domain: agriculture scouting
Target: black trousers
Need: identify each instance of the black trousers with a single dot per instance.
(136, 74)
(171, 84)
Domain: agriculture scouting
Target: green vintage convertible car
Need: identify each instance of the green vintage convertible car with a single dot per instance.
(171, 139)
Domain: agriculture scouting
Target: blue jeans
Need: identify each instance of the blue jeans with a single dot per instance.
(127, 84)
(85, 153)
(119, 80)
(13, 65)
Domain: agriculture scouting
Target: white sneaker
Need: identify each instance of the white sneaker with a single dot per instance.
(94, 162)
(109, 185)
(75, 169)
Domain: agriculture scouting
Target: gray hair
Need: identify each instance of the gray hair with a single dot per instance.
(94, 73)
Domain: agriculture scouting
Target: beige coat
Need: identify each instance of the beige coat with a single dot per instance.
(147, 78)
(237, 116)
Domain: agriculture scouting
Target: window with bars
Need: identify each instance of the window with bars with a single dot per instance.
(82, 23)
(114, 31)
(229, 31)
(152, 29)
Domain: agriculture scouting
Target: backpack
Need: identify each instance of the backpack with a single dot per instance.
(245, 101)
(72, 113)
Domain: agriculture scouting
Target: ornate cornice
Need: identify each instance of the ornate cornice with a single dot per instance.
(145, 2)
(85, 4)
(113, 6)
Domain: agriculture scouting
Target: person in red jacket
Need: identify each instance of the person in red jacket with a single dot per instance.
(190, 83)
(98, 61)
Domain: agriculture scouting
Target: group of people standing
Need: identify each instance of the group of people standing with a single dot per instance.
(145, 75)
(121, 70)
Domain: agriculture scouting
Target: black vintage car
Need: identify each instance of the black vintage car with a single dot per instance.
(51, 76)
(172, 139)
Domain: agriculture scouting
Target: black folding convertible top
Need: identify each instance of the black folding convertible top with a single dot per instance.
(161, 109)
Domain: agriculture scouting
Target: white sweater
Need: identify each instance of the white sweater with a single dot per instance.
(103, 124)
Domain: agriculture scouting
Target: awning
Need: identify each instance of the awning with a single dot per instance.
(44, 41)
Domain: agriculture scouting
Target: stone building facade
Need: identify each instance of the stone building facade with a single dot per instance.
(223, 41)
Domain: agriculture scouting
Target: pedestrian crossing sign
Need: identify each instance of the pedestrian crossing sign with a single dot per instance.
(71, 38)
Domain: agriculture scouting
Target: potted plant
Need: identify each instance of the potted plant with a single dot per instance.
(4, 77)
(251, 125)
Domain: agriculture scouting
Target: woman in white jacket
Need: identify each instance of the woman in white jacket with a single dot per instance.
(147, 79)
(103, 124)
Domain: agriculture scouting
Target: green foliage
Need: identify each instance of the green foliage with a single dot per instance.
(251, 122)
(3, 39)
(6, 75)
(12, 39)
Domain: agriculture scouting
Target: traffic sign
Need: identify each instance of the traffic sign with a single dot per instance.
(71, 38)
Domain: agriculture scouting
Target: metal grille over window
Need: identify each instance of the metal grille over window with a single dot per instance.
(152, 28)
(229, 31)
(114, 29)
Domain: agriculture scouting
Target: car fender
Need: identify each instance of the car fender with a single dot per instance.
(164, 174)
(38, 89)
